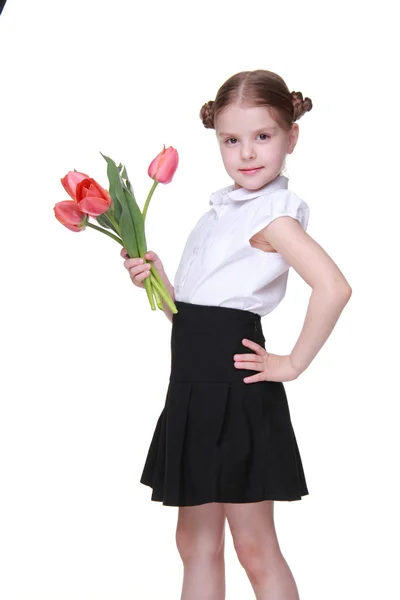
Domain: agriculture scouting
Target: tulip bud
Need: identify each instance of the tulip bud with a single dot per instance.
(163, 167)
(92, 199)
(68, 213)
(71, 180)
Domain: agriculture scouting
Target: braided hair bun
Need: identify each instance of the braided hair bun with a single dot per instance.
(300, 106)
(207, 114)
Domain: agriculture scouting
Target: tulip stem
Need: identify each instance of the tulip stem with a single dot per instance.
(111, 235)
(157, 276)
(114, 222)
(158, 298)
(149, 291)
(153, 187)
(163, 293)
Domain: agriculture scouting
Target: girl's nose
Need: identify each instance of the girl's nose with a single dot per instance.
(248, 152)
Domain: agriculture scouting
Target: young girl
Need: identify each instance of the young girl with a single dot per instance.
(224, 446)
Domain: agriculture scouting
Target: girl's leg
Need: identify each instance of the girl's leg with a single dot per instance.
(256, 544)
(200, 538)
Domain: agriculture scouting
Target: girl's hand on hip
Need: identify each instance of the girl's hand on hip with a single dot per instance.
(271, 367)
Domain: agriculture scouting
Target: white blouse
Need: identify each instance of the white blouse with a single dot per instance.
(219, 267)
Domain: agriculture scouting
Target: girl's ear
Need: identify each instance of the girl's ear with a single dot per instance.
(293, 137)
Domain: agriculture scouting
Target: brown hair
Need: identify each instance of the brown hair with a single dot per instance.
(258, 88)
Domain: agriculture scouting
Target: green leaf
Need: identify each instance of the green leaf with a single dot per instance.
(104, 221)
(118, 184)
(127, 182)
(115, 187)
(128, 233)
(130, 221)
(138, 221)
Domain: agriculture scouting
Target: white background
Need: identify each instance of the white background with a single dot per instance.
(85, 362)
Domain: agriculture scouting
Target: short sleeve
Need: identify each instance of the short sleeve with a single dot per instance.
(281, 203)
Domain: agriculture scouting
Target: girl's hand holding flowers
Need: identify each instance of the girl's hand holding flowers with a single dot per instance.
(139, 269)
(120, 218)
(271, 367)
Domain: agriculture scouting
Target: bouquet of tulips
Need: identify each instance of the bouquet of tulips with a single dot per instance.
(117, 212)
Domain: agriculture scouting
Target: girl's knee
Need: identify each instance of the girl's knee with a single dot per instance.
(200, 532)
(194, 545)
(254, 536)
(257, 557)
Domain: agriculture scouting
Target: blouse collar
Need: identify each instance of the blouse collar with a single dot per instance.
(229, 194)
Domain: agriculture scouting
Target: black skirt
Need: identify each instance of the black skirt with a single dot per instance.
(219, 439)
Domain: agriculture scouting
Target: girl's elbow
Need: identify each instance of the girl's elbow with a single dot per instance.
(338, 289)
(349, 291)
(345, 289)
(342, 291)
(346, 294)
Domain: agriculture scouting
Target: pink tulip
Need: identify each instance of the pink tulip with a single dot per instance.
(68, 213)
(71, 180)
(163, 167)
(92, 199)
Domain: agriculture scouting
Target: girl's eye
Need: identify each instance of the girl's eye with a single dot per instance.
(266, 136)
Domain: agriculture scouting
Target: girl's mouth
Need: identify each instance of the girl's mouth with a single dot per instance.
(250, 171)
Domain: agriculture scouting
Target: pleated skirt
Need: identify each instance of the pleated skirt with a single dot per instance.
(217, 438)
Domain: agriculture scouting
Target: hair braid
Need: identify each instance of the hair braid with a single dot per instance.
(207, 114)
(300, 106)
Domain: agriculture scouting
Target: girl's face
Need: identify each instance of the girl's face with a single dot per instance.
(253, 146)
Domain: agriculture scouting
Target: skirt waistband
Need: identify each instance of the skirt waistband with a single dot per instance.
(204, 340)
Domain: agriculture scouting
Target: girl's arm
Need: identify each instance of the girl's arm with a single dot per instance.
(330, 289)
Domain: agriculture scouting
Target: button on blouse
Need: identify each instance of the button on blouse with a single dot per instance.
(219, 267)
